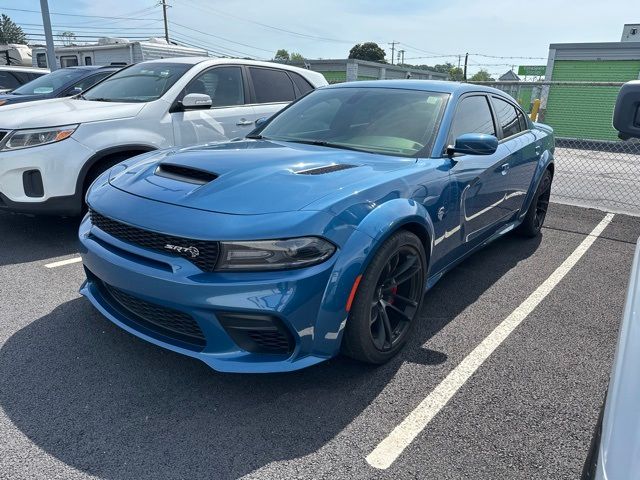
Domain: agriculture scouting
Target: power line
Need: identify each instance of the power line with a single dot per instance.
(272, 27)
(220, 38)
(78, 15)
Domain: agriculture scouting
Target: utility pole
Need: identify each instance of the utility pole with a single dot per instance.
(459, 57)
(466, 59)
(401, 54)
(48, 35)
(164, 15)
(393, 50)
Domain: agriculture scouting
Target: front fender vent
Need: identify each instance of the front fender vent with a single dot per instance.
(326, 169)
(185, 174)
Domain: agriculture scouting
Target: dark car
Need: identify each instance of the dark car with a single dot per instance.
(61, 83)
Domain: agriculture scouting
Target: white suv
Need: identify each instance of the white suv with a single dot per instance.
(51, 150)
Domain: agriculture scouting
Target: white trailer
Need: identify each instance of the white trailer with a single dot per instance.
(115, 51)
(15, 54)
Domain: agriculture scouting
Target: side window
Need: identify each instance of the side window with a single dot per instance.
(223, 84)
(524, 125)
(507, 117)
(8, 81)
(271, 85)
(304, 86)
(68, 61)
(41, 60)
(472, 116)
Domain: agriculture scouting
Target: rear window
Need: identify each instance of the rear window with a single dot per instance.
(304, 86)
(271, 85)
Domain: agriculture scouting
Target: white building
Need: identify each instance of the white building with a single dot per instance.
(631, 32)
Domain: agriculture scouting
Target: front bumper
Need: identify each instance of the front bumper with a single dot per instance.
(58, 166)
(297, 298)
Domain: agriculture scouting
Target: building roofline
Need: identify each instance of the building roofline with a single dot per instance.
(598, 45)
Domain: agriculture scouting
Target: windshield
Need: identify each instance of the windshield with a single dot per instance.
(143, 82)
(50, 82)
(379, 120)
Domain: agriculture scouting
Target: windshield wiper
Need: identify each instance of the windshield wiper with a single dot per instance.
(323, 143)
(99, 99)
(255, 137)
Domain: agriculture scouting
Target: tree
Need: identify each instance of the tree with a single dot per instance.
(297, 57)
(10, 32)
(67, 38)
(456, 74)
(281, 56)
(482, 76)
(368, 51)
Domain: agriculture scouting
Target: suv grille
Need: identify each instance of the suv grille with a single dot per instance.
(166, 321)
(202, 253)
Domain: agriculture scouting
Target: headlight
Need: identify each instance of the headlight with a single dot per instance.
(274, 254)
(39, 136)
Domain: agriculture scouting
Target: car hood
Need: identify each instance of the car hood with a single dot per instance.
(250, 177)
(10, 98)
(63, 111)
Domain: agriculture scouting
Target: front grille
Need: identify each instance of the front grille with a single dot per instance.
(202, 253)
(165, 321)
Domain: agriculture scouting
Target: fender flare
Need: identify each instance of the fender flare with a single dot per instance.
(546, 160)
(355, 256)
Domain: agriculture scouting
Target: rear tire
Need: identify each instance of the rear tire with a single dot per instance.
(388, 300)
(534, 219)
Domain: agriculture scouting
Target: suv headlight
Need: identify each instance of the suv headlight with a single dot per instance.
(274, 254)
(37, 136)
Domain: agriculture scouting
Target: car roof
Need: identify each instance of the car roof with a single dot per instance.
(441, 86)
(16, 68)
(223, 61)
(93, 67)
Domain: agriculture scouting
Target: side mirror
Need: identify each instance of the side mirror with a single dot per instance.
(76, 90)
(196, 101)
(626, 115)
(474, 144)
(261, 121)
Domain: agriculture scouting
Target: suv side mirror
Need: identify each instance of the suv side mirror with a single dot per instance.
(261, 121)
(474, 144)
(196, 101)
(626, 116)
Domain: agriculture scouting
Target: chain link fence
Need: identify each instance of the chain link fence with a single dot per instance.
(593, 167)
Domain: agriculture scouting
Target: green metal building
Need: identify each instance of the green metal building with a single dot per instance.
(584, 111)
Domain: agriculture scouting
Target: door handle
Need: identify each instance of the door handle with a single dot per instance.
(505, 168)
(243, 121)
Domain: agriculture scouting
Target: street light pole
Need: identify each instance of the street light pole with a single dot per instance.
(48, 35)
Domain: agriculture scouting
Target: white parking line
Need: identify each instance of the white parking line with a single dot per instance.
(389, 449)
(63, 262)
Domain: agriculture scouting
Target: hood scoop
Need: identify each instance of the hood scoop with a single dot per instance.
(185, 174)
(326, 169)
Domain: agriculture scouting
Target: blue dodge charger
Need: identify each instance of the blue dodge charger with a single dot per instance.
(320, 231)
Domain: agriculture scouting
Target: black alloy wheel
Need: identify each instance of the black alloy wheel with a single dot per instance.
(387, 301)
(535, 216)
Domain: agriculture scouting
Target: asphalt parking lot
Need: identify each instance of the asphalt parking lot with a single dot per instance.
(80, 398)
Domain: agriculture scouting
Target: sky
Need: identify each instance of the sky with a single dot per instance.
(430, 31)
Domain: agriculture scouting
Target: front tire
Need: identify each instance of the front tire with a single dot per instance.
(388, 300)
(534, 219)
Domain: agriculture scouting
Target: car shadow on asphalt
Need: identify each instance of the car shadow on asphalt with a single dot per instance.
(31, 238)
(108, 404)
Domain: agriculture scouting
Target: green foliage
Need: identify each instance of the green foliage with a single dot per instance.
(10, 32)
(67, 38)
(482, 76)
(297, 57)
(369, 51)
(456, 74)
(281, 56)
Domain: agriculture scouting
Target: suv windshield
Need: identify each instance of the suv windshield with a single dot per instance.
(50, 82)
(378, 120)
(143, 82)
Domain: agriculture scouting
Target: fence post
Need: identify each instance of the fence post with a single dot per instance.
(534, 110)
